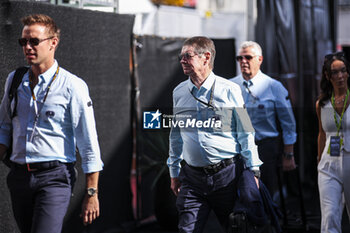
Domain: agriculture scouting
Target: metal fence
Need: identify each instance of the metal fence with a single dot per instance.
(83, 3)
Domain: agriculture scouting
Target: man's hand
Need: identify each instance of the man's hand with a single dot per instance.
(175, 185)
(90, 209)
(288, 164)
(256, 181)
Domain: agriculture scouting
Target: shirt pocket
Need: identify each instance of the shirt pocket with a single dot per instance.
(262, 110)
(220, 119)
(51, 116)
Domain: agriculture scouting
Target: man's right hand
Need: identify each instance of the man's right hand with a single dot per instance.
(175, 185)
(3, 150)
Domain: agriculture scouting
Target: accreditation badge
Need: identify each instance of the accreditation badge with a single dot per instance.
(335, 146)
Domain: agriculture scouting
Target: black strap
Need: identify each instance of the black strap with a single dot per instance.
(249, 91)
(210, 103)
(17, 79)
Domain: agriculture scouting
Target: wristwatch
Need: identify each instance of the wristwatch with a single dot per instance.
(288, 155)
(91, 191)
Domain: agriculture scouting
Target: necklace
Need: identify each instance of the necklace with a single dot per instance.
(340, 100)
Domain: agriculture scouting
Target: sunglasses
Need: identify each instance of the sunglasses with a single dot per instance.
(247, 57)
(336, 55)
(186, 56)
(32, 41)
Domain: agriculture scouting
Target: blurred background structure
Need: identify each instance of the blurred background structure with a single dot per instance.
(126, 50)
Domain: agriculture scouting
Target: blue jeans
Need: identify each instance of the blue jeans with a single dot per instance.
(200, 193)
(40, 199)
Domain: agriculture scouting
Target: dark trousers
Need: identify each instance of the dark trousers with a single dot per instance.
(270, 153)
(40, 199)
(200, 193)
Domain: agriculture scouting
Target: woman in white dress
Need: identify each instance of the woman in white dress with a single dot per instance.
(334, 142)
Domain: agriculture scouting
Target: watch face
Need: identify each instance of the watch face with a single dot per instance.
(91, 191)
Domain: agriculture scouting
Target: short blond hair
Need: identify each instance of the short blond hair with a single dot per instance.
(45, 20)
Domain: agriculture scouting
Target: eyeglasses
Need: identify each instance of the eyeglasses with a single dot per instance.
(186, 56)
(32, 41)
(336, 55)
(247, 57)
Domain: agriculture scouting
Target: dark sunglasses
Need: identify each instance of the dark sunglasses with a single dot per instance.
(336, 55)
(247, 57)
(32, 41)
(186, 56)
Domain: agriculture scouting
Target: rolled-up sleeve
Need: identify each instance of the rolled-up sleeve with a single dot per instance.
(175, 150)
(245, 132)
(285, 114)
(84, 128)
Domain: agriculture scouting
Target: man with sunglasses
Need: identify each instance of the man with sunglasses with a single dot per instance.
(212, 158)
(268, 104)
(54, 116)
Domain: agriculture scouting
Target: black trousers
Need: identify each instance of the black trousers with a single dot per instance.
(270, 153)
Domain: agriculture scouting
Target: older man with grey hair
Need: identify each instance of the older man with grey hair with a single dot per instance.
(212, 159)
(268, 105)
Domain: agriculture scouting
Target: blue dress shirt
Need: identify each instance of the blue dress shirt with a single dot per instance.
(266, 99)
(201, 147)
(66, 120)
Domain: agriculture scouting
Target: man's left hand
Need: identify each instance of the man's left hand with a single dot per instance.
(256, 181)
(90, 209)
(288, 164)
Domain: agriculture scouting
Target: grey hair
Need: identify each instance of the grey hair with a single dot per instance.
(248, 44)
(202, 45)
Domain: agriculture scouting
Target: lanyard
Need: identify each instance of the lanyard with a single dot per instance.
(338, 124)
(37, 111)
(249, 91)
(210, 103)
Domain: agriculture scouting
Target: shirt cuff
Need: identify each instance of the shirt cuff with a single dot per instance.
(289, 139)
(174, 172)
(255, 168)
(93, 166)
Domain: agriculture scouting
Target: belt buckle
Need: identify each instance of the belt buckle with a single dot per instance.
(30, 169)
(206, 170)
(211, 169)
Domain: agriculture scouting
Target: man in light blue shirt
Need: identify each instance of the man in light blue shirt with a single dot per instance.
(212, 137)
(53, 116)
(267, 101)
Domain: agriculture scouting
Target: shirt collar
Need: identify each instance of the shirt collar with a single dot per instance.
(47, 75)
(207, 83)
(256, 78)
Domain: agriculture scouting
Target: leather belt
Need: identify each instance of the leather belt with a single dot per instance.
(214, 168)
(41, 166)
